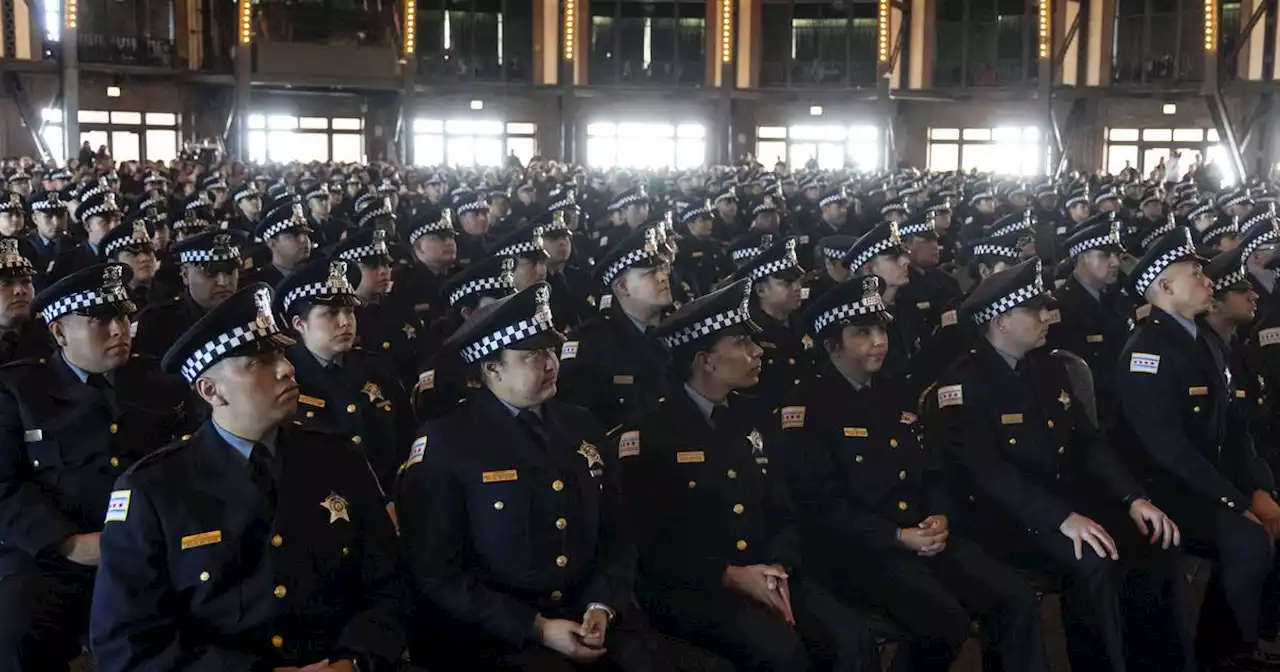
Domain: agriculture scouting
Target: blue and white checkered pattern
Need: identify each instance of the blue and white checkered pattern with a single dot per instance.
(745, 254)
(501, 281)
(534, 244)
(196, 204)
(834, 197)
(1154, 234)
(473, 206)
(1111, 238)
(916, 228)
(766, 204)
(1011, 300)
(693, 212)
(787, 261)
(834, 253)
(864, 306)
(1235, 199)
(566, 200)
(370, 213)
(1235, 276)
(248, 192)
(295, 221)
(1216, 232)
(320, 191)
(140, 237)
(707, 326)
(1247, 224)
(1250, 245)
(1012, 227)
(106, 207)
(1150, 273)
(227, 252)
(63, 174)
(981, 196)
(1078, 198)
(157, 203)
(631, 259)
(894, 206)
(98, 296)
(1205, 208)
(1106, 196)
(445, 223)
(540, 322)
(214, 350)
(323, 288)
(378, 248)
(893, 240)
(726, 195)
(195, 223)
(996, 250)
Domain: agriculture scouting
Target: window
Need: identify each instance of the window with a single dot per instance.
(832, 146)
(1014, 150)
(475, 40)
(1144, 151)
(284, 137)
(162, 145)
(128, 136)
(647, 43)
(472, 142)
(646, 145)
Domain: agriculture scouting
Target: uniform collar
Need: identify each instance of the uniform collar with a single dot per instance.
(245, 446)
(84, 375)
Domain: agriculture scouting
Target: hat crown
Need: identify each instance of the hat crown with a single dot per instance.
(140, 234)
(9, 254)
(265, 319)
(507, 277)
(338, 277)
(112, 278)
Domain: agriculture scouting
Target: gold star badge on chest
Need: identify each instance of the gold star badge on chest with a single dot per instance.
(373, 391)
(592, 455)
(1065, 400)
(757, 442)
(336, 505)
(410, 331)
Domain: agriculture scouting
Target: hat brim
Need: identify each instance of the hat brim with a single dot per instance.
(877, 318)
(1237, 286)
(539, 341)
(328, 300)
(108, 310)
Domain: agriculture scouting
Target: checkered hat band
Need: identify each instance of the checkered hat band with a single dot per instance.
(321, 192)
(1235, 200)
(43, 206)
(1165, 260)
(21, 263)
(516, 249)
(361, 252)
(369, 214)
(1215, 232)
(211, 352)
(996, 250)
(562, 204)
(553, 227)
(1007, 303)
(431, 227)
(766, 270)
(867, 254)
(1200, 211)
(623, 263)
(1091, 244)
(504, 337)
(1076, 200)
(247, 193)
(279, 228)
(6, 206)
(1155, 234)
(208, 256)
(1105, 196)
(843, 312)
(745, 254)
(63, 174)
(694, 213)
(314, 289)
(892, 207)
(915, 229)
(1007, 229)
(120, 244)
(220, 184)
(833, 198)
(476, 286)
(1229, 279)
(706, 326)
(473, 206)
(98, 210)
(151, 203)
(763, 208)
(184, 224)
(1248, 224)
(833, 253)
(81, 301)
(981, 195)
(726, 196)
(1251, 246)
(196, 205)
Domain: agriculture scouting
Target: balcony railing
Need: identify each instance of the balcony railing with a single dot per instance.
(605, 71)
(120, 50)
(1171, 53)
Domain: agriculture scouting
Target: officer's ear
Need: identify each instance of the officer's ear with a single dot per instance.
(206, 387)
(57, 330)
(297, 322)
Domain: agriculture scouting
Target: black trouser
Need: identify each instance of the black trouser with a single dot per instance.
(936, 598)
(44, 612)
(827, 635)
(1245, 556)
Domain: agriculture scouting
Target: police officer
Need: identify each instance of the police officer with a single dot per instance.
(874, 500)
(49, 218)
(287, 235)
(830, 270)
(328, 230)
(98, 214)
(1026, 456)
(718, 551)
(473, 239)
(630, 210)
(702, 261)
(433, 241)
(930, 288)
(525, 246)
(548, 581)
(777, 283)
(73, 422)
(344, 389)
(571, 299)
(383, 324)
(130, 243)
(13, 221)
(266, 545)
(247, 203)
(20, 336)
(1095, 312)
(611, 363)
(210, 268)
(880, 252)
(1186, 438)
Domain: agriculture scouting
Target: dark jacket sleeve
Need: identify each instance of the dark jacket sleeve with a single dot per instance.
(615, 575)
(784, 537)
(431, 505)
(1101, 459)
(1252, 471)
(29, 520)
(132, 625)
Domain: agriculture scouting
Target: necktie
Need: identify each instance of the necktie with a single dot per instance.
(98, 382)
(262, 472)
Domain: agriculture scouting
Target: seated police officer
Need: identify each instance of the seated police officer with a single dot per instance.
(1029, 462)
(210, 268)
(518, 540)
(873, 503)
(570, 284)
(611, 363)
(130, 243)
(718, 549)
(829, 258)
(385, 324)
(20, 335)
(71, 423)
(343, 389)
(702, 261)
(526, 247)
(777, 285)
(880, 252)
(287, 236)
(433, 241)
(1186, 438)
(252, 544)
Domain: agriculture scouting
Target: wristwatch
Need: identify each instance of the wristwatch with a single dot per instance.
(605, 608)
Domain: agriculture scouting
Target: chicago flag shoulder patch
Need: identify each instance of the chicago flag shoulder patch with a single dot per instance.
(1144, 362)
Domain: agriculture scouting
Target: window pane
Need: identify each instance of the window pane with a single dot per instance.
(772, 132)
(1152, 158)
(944, 156)
(125, 146)
(522, 148)
(96, 139)
(1212, 135)
(52, 115)
(162, 145)
(93, 117)
(428, 150)
(1120, 157)
(282, 122)
(863, 154)
(126, 118)
(830, 155)
(53, 137)
(311, 147)
(1031, 133)
(769, 152)
(314, 123)
(601, 128)
(982, 157)
(690, 152)
(646, 130)
(257, 146)
(864, 133)
(1188, 134)
(691, 131)
(489, 152)
(428, 126)
(1158, 134)
(815, 132)
(257, 121)
(347, 123)
(162, 119)
(1218, 155)
(348, 147)
(521, 128)
(460, 151)
(1031, 161)
(1123, 135)
(800, 154)
(1003, 134)
(280, 146)
(977, 134)
(944, 134)
(601, 152)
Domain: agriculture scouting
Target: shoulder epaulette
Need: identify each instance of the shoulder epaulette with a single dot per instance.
(161, 453)
(25, 361)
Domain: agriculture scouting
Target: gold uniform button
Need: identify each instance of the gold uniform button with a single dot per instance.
(733, 474)
(902, 506)
(742, 545)
(277, 641)
(356, 439)
(791, 361)
(737, 508)
(115, 461)
(1195, 409)
(561, 561)
(498, 505)
(1062, 449)
(345, 551)
(1013, 442)
(557, 485)
(693, 484)
(351, 408)
(277, 541)
(204, 576)
(561, 523)
(902, 475)
(386, 345)
(556, 596)
(35, 463)
(280, 592)
(857, 458)
(311, 414)
(114, 428)
(1049, 423)
(893, 443)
